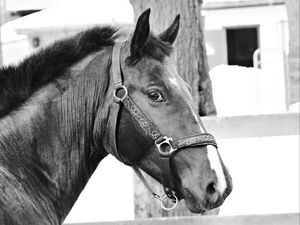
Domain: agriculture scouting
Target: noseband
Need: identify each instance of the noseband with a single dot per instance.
(166, 146)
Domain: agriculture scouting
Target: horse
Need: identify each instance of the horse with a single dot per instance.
(67, 106)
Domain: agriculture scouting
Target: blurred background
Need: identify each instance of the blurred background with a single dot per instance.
(248, 57)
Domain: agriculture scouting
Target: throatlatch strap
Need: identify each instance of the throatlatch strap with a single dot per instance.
(165, 180)
(142, 178)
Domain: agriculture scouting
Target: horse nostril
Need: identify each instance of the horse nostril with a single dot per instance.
(210, 189)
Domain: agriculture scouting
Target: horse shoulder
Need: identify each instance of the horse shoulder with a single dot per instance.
(16, 206)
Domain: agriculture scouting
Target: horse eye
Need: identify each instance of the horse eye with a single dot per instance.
(155, 96)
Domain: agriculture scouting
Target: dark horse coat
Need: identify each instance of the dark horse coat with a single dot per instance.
(43, 124)
(55, 112)
(35, 187)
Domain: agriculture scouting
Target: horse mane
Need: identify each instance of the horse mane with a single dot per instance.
(18, 83)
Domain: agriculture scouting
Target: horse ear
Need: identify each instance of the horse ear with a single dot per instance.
(141, 32)
(170, 34)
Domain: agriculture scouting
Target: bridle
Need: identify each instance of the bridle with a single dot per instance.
(166, 146)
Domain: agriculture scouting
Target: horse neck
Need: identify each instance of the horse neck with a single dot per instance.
(77, 114)
(58, 153)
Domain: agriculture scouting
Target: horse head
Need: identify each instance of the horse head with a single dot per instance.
(157, 127)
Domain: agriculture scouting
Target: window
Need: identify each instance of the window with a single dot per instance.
(241, 44)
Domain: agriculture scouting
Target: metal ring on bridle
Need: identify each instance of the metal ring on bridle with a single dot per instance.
(165, 140)
(120, 99)
(162, 200)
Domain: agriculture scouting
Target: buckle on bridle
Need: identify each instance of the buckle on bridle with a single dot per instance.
(164, 143)
(118, 99)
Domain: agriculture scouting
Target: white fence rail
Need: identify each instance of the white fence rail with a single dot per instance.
(277, 219)
(263, 125)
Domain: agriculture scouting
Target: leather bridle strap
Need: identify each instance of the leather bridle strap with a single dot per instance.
(142, 178)
(116, 67)
(162, 198)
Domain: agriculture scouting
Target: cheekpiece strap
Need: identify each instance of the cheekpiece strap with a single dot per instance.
(116, 67)
(115, 108)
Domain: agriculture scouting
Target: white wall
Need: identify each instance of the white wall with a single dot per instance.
(272, 34)
(258, 91)
(108, 195)
(240, 90)
(14, 47)
(247, 16)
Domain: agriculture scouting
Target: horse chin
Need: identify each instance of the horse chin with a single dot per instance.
(193, 203)
(194, 208)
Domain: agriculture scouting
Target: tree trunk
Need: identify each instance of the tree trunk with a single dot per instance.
(1, 22)
(190, 52)
(294, 57)
(192, 65)
(3, 19)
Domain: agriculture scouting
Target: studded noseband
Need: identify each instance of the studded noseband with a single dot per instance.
(166, 146)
